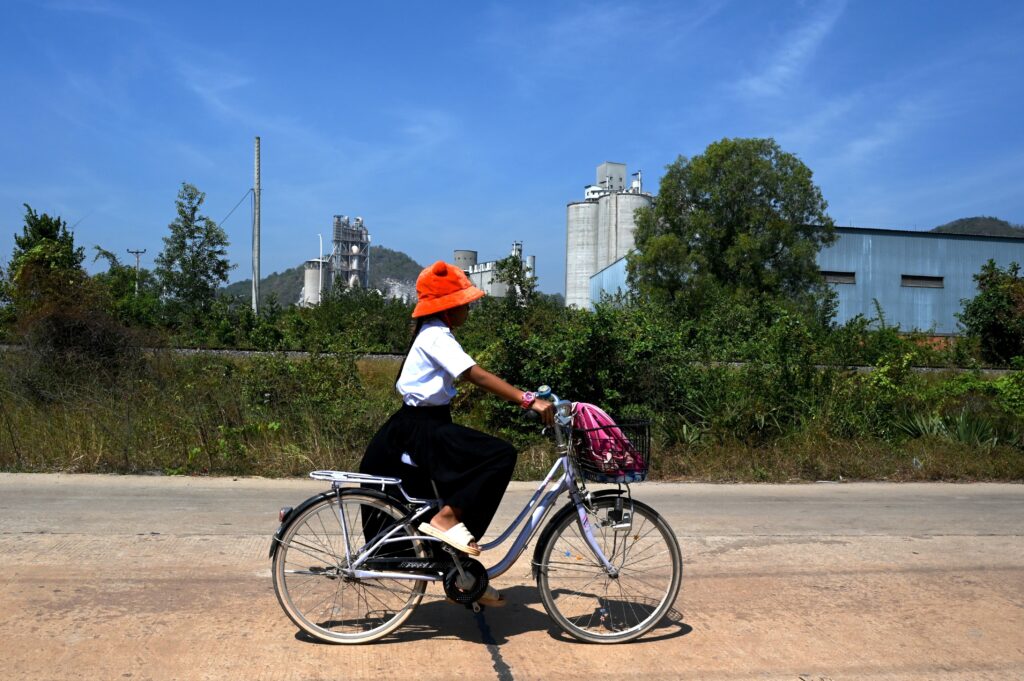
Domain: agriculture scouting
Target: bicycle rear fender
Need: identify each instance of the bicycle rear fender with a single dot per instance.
(568, 510)
(297, 511)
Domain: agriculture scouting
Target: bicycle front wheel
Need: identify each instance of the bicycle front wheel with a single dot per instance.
(583, 598)
(310, 570)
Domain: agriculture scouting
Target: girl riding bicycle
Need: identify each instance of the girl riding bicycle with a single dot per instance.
(421, 445)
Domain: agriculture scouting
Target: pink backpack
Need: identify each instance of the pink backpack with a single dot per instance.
(603, 451)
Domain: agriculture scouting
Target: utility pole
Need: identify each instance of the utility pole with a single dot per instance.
(320, 277)
(256, 233)
(137, 254)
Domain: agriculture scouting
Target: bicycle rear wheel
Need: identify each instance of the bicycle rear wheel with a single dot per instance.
(309, 570)
(580, 595)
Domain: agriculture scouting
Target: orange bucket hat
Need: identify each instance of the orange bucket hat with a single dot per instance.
(441, 287)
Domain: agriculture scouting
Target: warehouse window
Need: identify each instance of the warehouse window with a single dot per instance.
(839, 277)
(920, 281)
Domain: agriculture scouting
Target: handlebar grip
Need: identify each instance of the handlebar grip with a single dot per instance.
(531, 415)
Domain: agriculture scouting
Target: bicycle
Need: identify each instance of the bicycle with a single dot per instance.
(349, 565)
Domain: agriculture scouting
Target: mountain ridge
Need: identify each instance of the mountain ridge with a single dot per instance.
(286, 285)
(982, 225)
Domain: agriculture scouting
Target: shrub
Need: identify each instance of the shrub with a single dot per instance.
(995, 315)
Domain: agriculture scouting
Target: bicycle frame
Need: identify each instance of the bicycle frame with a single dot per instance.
(531, 517)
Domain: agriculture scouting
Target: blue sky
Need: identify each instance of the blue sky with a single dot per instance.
(469, 125)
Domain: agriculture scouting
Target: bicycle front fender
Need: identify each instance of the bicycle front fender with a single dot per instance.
(549, 529)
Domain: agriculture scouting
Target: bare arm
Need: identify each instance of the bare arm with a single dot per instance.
(479, 376)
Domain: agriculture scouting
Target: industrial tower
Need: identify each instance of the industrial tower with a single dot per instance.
(600, 228)
(348, 265)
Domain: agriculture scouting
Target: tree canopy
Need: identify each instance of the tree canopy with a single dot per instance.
(45, 264)
(47, 240)
(996, 315)
(193, 263)
(743, 218)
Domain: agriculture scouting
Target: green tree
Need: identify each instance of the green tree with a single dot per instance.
(45, 263)
(49, 237)
(61, 316)
(7, 317)
(996, 315)
(194, 261)
(742, 219)
(134, 297)
(520, 284)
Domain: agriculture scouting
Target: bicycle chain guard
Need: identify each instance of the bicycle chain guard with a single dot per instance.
(473, 569)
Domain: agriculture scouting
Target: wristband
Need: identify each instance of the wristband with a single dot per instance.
(527, 400)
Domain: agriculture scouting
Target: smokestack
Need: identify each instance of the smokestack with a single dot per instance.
(256, 233)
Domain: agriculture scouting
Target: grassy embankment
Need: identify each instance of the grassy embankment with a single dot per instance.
(276, 417)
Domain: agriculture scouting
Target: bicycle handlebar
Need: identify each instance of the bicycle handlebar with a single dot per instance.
(563, 411)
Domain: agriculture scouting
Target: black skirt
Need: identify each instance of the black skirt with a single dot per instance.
(471, 469)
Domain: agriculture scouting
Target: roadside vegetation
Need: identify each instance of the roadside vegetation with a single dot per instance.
(728, 346)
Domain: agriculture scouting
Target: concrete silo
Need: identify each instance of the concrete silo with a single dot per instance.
(482, 274)
(581, 237)
(625, 232)
(465, 259)
(617, 225)
(600, 229)
(607, 231)
(316, 273)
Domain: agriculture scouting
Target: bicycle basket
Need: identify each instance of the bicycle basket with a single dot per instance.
(614, 452)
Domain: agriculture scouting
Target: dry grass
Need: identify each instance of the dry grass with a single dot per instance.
(805, 457)
(201, 424)
(378, 375)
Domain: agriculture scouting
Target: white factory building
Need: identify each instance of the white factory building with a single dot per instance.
(600, 228)
(482, 273)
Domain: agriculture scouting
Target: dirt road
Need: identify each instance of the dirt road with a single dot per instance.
(168, 578)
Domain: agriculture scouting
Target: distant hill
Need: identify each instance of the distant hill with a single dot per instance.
(388, 264)
(287, 285)
(981, 226)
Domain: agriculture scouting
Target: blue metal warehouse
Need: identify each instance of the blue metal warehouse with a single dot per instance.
(918, 278)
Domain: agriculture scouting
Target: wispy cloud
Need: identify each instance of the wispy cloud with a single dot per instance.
(976, 188)
(991, 187)
(903, 121)
(596, 37)
(821, 122)
(103, 8)
(795, 52)
(213, 85)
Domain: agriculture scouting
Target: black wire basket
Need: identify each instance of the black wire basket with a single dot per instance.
(617, 453)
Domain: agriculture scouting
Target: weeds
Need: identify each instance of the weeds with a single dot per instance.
(278, 417)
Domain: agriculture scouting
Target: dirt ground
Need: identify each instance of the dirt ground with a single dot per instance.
(168, 578)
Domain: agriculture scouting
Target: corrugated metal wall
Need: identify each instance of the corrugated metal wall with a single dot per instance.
(609, 281)
(879, 259)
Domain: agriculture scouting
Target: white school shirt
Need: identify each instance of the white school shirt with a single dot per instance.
(434, 362)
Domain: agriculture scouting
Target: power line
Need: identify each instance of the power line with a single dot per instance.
(244, 196)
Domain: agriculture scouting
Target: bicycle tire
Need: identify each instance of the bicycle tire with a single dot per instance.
(307, 565)
(577, 591)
